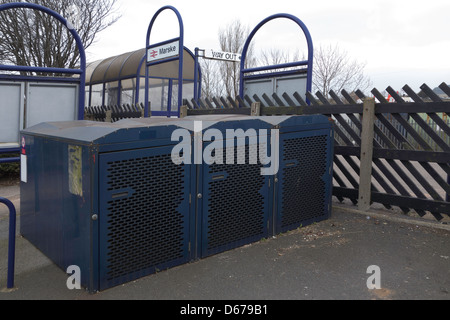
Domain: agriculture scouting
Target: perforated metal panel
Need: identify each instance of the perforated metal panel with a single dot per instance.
(235, 205)
(305, 179)
(144, 199)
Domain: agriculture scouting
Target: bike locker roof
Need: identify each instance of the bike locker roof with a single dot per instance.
(90, 132)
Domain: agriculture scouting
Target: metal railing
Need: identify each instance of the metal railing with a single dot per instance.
(12, 241)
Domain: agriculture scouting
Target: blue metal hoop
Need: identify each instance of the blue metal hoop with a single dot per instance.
(180, 59)
(309, 63)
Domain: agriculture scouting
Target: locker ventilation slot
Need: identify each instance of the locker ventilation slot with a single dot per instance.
(145, 229)
(235, 205)
(303, 184)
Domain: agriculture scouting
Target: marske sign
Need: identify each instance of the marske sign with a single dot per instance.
(165, 51)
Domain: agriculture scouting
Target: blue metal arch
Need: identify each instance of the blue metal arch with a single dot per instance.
(65, 22)
(180, 58)
(308, 63)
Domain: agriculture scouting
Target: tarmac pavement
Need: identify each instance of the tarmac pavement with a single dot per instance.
(325, 261)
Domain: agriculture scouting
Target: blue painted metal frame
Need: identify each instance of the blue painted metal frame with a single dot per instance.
(179, 58)
(81, 71)
(308, 63)
(197, 88)
(12, 241)
(10, 160)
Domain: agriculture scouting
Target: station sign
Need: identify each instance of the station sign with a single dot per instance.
(164, 51)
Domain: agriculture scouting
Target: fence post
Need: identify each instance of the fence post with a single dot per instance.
(183, 112)
(108, 116)
(256, 109)
(367, 136)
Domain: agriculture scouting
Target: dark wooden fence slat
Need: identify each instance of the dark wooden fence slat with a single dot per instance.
(430, 93)
(300, 100)
(242, 102)
(340, 183)
(312, 99)
(348, 97)
(232, 103)
(278, 100)
(444, 87)
(189, 105)
(208, 104)
(217, 103)
(257, 99)
(202, 104)
(322, 98)
(225, 103)
(336, 98)
(196, 105)
(248, 100)
(288, 99)
(268, 101)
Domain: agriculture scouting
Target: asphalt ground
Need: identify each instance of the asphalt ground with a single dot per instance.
(326, 261)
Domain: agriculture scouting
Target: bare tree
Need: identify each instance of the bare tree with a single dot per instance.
(335, 70)
(212, 86)
(33, 38)
(274, 56)
(232, 39)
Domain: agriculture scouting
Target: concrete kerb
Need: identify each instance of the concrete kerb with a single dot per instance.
(394, 218)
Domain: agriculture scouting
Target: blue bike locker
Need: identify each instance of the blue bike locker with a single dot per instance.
(144, 209)
(304, 183)
(107, 198)
(233, 197)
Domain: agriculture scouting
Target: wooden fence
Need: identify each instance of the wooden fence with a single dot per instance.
(395, 154)
(113, 113)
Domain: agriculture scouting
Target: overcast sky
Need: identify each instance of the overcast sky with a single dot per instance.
(401, 41)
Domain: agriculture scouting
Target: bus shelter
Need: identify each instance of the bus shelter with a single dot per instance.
(120, 80)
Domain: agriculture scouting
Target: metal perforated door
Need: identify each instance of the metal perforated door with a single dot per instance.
(235, 205)
(304, 181)
(144, 214)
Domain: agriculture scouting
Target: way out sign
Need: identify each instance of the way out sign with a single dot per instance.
(224, 56)
(165, 51)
